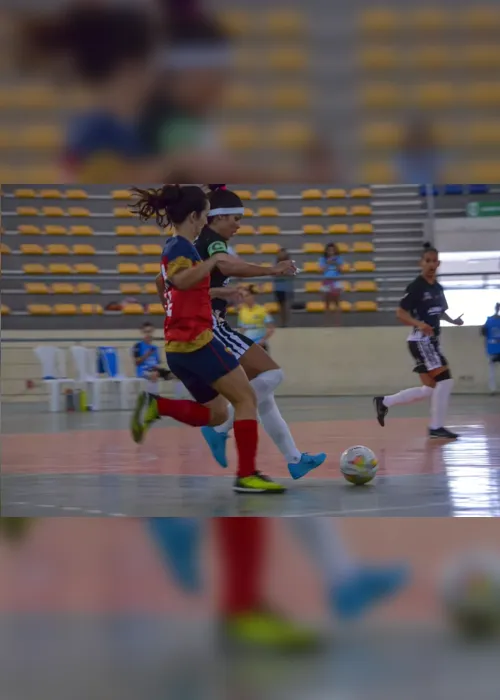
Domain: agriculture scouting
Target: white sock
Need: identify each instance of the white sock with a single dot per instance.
(152, 387)
(278, 430)
(263, 385)
(323, 540)
(439, 403)
(418, 393)
(492, 379)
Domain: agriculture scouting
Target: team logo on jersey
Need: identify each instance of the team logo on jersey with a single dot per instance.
(229, 352)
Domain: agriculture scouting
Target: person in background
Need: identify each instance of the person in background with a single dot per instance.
(491, 333)
(254, 320)
(147, 360)
(331, 267)
(283, 290)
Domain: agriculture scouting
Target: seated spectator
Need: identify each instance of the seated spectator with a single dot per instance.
(283, 290)
(254, 320)
(491, 333)
(147, 360)
(331, 267)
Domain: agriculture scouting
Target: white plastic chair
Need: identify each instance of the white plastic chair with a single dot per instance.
(53, 364)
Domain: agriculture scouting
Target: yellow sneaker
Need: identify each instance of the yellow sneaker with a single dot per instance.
(139, 424)
(257, 483)
(268, 630)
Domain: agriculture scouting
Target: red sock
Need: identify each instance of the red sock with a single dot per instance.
(184, 411)
(242, 549)
(246, 435)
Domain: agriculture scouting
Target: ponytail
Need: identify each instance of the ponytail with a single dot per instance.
(170, 204)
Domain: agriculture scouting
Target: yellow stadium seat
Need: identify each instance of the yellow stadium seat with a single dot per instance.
(268, 211)
(36, 288)
(52, 211)
(62, 288)
(290, 136)
(362, 247)
(28, 229)
(60, 269)
(312, 211)
(122, 213)
(365, 306)
(151, 268)
(312, 267)
(4, 310)
(313, 287)
(241, 137)
(246, 231)
(269, 230)
(34, 269)
(316, 248)
(313, 229)
(240, 96)
(24, 193)
(128, 269)
(483, 171)
(44, 137)
(380, 21)
(365, 286)
(156, 309)
(315, 306)
(287, 59)
(311, 194)
(86, 269)
(361, 211)
(4, 249)
(31, 249)
(121, 194)
(428, 19)
(149, 288)
(266, 194)
(133, 309)
(381, 135)
(248, 212)
(54, 230)
(244, 194)
(364, 266)
(76, 194)
(379, 58)
(236, 23)
(57, 249)
(40, 309)
(345, 268)
(338, 229)
(336, 211)
(65, 309)
(269, 248)
(79, 249)
(336, 194)
(484, 18)
(91, 309)
(27, 211)
(346, 286)
(151, 249)
(272, 307)
(87, 288)
(51, 194)
(288, 97)
(432, 57)
(482, 94)
(149, 230)
(360, 193)
(362, 228)
(126, 250)
(132, 288)
(480, 56)
(244, 249)
(81, 231)
(266, 288)
(345, 306)
(127, 230)
(78, 211)
(434, 95)
(381, 95)
(381, 171)
(284, 23)
(483, 133)
(342, 248)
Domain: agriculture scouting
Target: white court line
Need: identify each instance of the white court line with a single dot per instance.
(66, 508)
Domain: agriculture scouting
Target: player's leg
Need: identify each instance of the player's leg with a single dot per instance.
(440, 401)
(492, 384)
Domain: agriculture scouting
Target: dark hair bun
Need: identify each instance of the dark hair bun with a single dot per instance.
(214, 188)
(427, 245)
(169, 195)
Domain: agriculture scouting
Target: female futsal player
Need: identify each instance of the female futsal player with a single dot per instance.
(208, 370)
(422, 308)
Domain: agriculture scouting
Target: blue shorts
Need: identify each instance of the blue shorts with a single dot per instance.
(198, 370)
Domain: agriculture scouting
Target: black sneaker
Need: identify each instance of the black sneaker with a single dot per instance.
(381, 409)
(443, 434)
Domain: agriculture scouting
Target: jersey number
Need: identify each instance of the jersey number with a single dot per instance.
(168, 297)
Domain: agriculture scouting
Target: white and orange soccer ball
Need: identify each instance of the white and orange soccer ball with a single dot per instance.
(359, 465)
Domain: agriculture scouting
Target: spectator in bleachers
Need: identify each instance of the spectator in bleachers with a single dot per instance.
(331, 267)
(254, 321)
(419, 161)
(283, 290)
(491, 333)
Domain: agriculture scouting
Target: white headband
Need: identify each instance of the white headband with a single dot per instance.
(226, 210)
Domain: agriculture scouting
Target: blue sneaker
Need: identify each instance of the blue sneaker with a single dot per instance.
(366, 588)
(217, 443)
(307, 463)
(179, 541)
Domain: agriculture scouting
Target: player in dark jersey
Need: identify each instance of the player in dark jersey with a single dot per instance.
(208, 370)
(422, 308)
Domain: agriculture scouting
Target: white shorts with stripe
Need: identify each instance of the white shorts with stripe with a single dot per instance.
(427, 355)
(231, 339)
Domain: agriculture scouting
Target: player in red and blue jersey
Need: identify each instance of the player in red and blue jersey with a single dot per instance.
(209, 371)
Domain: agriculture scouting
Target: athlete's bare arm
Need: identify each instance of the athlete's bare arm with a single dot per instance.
(160, 286)
(232, 266)
(408, 320)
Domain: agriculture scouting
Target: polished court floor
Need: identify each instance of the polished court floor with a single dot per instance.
(86, 464)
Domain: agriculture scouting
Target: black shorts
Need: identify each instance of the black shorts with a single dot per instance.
(427, 355)
(231, 339)
(494, 358)
(282, 297)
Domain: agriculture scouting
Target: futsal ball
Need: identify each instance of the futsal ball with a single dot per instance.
(358, 465)
(471, 594)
